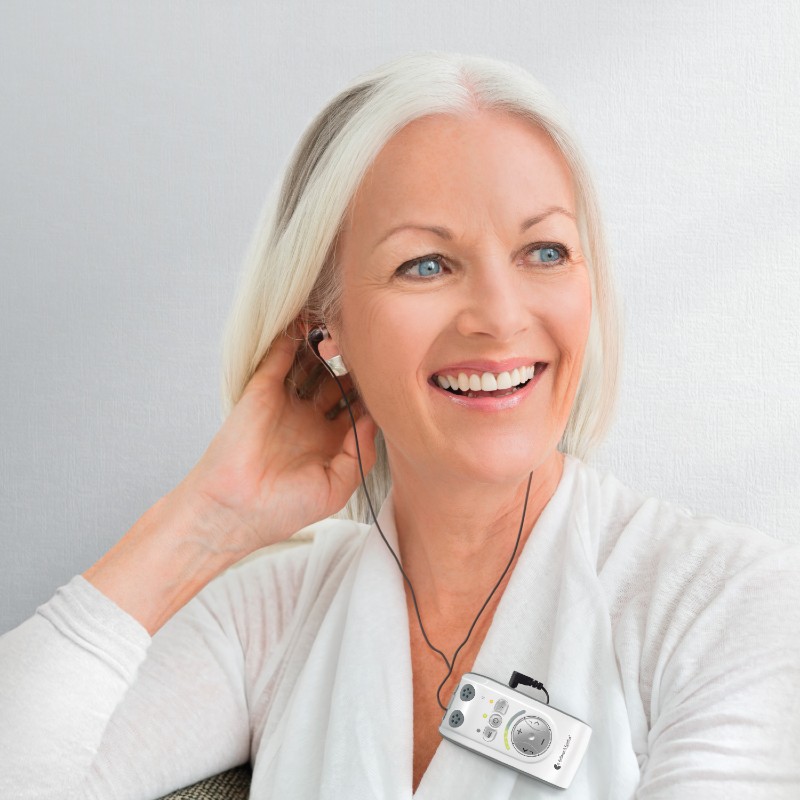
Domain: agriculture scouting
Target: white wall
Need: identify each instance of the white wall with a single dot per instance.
(140, 139)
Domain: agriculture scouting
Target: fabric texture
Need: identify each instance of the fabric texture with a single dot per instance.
(675, 637)
(234, 784)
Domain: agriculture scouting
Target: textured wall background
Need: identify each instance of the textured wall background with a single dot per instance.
(140, 139)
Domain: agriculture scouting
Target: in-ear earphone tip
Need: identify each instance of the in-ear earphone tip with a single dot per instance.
(316, 335)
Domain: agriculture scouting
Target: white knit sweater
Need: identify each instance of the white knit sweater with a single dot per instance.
(675, 637)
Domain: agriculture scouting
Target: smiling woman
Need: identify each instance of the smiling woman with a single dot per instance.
(356, 153)
(436, 245)
(486, 304)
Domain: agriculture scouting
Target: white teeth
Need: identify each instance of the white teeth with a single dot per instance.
(488, 382)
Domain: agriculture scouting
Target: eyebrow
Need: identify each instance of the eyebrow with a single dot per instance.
(444, 233)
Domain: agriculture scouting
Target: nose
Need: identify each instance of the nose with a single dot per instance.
(495, 302)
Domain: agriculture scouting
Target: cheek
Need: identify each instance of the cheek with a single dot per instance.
(572, 312)
(387, 338)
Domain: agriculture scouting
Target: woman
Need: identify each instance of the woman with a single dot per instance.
(437, 237)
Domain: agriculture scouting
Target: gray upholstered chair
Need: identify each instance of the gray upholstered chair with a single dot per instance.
(231, 785)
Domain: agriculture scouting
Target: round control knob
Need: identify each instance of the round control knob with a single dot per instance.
(531, 736)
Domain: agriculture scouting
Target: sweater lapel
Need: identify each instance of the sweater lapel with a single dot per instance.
(368, 747)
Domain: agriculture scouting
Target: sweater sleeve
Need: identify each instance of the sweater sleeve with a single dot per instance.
(93, 707)
(726, 697)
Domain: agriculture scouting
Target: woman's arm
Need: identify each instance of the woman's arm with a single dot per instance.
(93, 707)
(275, 466)
(169, 555)
(88, 700)
(82, 684)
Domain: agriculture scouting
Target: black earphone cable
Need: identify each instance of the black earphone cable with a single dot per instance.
(314, 338)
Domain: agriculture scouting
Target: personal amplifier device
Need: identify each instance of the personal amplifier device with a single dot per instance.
(511, 728)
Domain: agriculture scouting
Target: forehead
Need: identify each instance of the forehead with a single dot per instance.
(463, 165)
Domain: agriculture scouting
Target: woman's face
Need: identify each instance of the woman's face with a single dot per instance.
(444, 273)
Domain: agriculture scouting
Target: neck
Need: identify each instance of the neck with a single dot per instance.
(450, 529)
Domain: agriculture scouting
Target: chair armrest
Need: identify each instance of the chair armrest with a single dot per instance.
(234, 784)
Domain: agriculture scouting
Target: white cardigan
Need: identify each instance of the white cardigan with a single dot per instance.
(676, 637)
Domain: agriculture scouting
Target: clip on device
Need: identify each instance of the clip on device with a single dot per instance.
(510, 727)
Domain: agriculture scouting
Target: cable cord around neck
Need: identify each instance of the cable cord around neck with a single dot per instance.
(449, 664)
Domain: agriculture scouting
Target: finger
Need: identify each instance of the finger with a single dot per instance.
(277, 361)
(340, 406)
(307, 381)
(344, 470)
(319, 387)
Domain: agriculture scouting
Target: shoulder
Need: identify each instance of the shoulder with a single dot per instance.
(634, 535)
(683, 588)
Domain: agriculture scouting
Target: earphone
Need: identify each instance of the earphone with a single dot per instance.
(336, 367)
(335, 364)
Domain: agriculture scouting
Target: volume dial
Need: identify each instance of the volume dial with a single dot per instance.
(531, 736)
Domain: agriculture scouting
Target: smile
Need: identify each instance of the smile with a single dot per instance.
(488, 384)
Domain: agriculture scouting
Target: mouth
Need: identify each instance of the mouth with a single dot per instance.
(487, 384)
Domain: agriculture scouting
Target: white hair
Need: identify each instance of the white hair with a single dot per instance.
(289, 267)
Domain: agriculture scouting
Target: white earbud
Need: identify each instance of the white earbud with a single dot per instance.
(335, 363)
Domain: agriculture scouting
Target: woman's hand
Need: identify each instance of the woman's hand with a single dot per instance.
(278, 463)
(275, 466)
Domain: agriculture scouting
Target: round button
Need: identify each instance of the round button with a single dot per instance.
(531, 736)
(467, 691)
(495, 720)
(456, 719)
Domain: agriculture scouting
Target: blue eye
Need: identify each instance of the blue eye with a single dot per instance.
(429, 265)
(549, 253)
